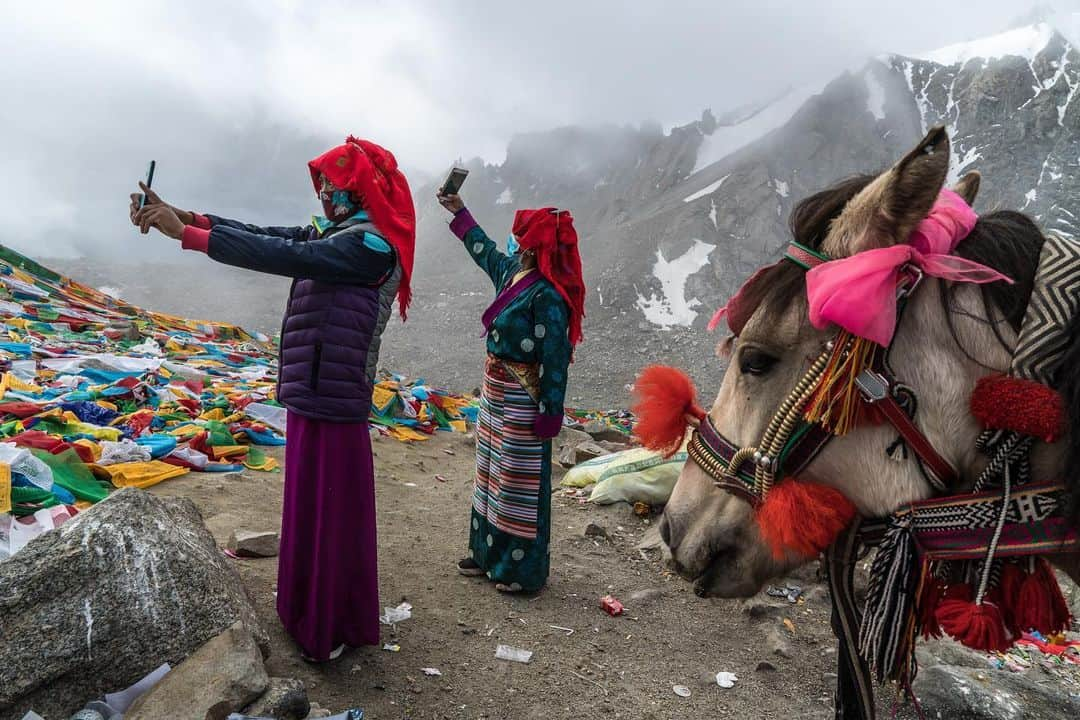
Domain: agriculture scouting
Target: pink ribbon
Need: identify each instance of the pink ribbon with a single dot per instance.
(858, 293)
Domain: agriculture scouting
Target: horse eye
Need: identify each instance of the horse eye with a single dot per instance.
(755, 362)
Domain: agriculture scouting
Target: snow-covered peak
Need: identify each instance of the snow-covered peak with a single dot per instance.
(1026, 42)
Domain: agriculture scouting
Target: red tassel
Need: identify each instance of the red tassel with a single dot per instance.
(1012, 579)
(932, 594)
(980, 627)
(1040, 605)
(1003, 402)
(803, 518)
(665, 395)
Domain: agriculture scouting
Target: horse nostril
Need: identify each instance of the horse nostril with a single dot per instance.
(700, 590)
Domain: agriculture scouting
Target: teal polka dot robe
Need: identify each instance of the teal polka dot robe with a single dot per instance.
(510, 523)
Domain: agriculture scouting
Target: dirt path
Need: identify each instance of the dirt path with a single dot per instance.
(609, 667)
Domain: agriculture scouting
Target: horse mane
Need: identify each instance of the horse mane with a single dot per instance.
(1005, 240)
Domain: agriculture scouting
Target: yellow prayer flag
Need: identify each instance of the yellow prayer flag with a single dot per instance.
(5, 488)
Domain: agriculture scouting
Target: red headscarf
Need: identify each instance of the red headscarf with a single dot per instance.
(550, 233)
(371, 173)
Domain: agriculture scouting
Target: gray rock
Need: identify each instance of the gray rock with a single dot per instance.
(572, 437)
(568, 456)
(601, 432)
(958, 693)
(90, 608)
(318, 712)
(595, 531)
(588, 451)
(284, 699)
(254, 543)
(765, 666)
(945, 651)
(221, 677)
(777, 643)
(645, 597)
(760, 610)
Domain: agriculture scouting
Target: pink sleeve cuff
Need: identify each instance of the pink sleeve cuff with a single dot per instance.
(462, 223)
(547, 426)
(195, 238)
(200, 221)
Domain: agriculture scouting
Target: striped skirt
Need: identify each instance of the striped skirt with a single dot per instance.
(511, 514)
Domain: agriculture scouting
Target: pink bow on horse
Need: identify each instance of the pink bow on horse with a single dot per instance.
(858, 293)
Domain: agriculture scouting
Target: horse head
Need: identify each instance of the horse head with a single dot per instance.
(949, 335)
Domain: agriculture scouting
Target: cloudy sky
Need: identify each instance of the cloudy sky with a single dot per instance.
(232, 98)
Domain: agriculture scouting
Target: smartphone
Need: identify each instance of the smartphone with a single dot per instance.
(454, 181)
(149, 182)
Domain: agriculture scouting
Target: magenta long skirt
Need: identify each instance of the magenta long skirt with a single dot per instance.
(328, 585)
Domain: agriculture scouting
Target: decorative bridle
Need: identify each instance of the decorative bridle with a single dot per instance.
(791, 441)
(963, 563)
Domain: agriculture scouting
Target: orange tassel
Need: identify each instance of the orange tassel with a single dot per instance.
(978, 626)
(665, 395)
(802, 518)
(836, 402)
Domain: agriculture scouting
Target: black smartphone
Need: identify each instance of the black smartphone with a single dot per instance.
(454, 181)
(149, 182)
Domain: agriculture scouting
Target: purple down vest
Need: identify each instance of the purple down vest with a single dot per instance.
(330, 347)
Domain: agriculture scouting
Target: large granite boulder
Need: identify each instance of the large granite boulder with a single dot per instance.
(960, 684)
(92, 607)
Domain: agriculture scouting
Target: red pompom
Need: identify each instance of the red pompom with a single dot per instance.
(665, 395)
(980, 627)
(803, 518)
(1040, 605)
(1003, 402)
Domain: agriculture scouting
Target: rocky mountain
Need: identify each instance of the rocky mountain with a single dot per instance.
(672, 221)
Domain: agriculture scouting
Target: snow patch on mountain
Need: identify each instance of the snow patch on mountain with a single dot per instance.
(1026, 42)
(726, 139)
(110, 291)
(505, 198)
(875, 94)
(707, 190)
(672, 308)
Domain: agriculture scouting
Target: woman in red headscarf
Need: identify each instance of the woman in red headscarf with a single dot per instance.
(532, 328)
(347, 267)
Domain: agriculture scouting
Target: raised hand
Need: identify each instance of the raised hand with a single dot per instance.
(160, 216)
(154, 200)
(453, 203)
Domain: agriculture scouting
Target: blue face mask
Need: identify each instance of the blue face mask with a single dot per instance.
(512, 246)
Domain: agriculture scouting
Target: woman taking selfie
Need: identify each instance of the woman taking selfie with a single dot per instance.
(532, 328)
(347, 267)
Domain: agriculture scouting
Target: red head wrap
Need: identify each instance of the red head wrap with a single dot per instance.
(371, 173)
(550, 234)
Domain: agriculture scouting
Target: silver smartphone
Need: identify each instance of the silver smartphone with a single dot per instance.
(454, 181)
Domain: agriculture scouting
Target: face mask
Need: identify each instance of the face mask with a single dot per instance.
(337, 205)
(512, 246)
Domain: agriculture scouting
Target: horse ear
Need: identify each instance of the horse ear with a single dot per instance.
(968, 186)
(889, 208)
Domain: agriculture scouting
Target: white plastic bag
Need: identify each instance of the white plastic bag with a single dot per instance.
(114, 453)
(22, 461)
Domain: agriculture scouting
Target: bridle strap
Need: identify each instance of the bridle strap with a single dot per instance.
(876, 390)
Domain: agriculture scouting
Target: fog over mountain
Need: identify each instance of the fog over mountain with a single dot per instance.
(675, 203)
